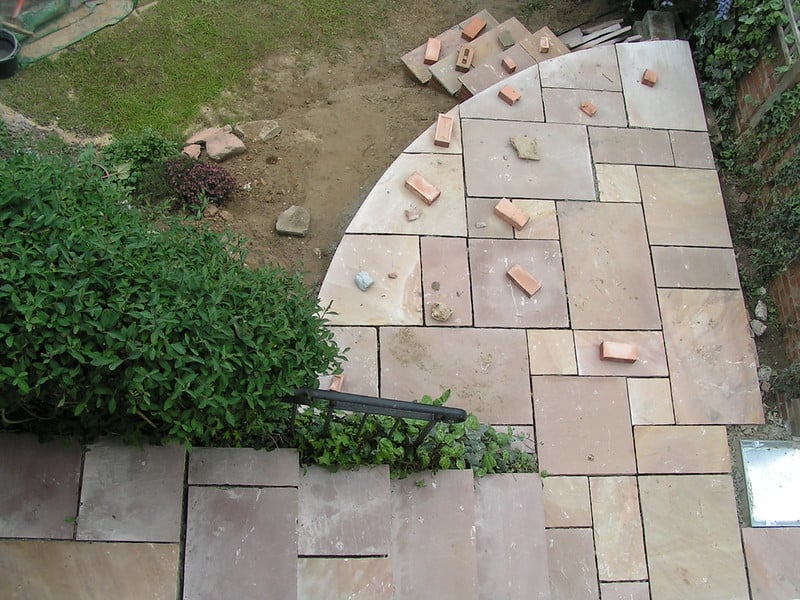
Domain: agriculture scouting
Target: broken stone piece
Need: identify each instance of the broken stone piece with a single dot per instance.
(759, 327)
(412, 214)
(480, 225)
(761, 311)
(262, 130)
(441, 312)
(526, 147)
(202, 136)
(223, 146)
(364, 281)
(295, 220)
(192, 150)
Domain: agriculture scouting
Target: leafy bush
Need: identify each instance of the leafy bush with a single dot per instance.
(197, 182)
(129, 155)
(112, 324)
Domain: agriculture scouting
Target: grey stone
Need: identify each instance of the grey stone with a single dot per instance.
(758, 327)
(441, 312)
(224, 146)
(659, 25)
(526, 147)
(480, 225)
(293, 221)
(258, 130)
(761, 311)
(364, 281)
(764, 373)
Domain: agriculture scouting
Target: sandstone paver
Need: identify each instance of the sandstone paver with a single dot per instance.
(573, 572)
(445, 278)
(243, 466)
(351, 578)
(566, 502)
(711, 268)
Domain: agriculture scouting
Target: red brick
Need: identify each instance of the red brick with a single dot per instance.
(509, 65)
(337, 381)
(473, 29)
(649, 78)
(464, 59)
(509, 95)
(619, 351)
(544, 45)
(422, 188)
(444, 130)
(432, 50)
(526, 282)
(511, 214)
(589, 108)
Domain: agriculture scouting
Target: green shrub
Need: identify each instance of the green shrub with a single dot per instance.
(128, 156)
(113, 324)
(195, 183)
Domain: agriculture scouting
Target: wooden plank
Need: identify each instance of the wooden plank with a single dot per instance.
(602, 25)
(600, 40)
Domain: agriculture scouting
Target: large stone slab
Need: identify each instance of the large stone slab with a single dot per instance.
(240, 543)
(485, 369)
(564, 106)
(692, 537)
(630, 146)
(551, 352)
(592, 69)
(677, 267)
(131, 494)
(682, 449)
(351, 578)
(566, 502)
(772, 562)
(48, 570)
(573, 571)
(39, 493)
(243, 466)
(650, 401)
(692, 149)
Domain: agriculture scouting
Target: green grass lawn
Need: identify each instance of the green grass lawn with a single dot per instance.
(158, 70)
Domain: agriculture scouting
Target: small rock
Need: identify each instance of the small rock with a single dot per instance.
(295, 220)
(258, 130)
(192, 150)
(392, 275)
(758, 327)
(480, 225)
(412, 214)
(766, 386)
(364, 281)
(764, 373)
(526, 147)
(226, 216)
(318, 252)
(223, 146)
(210, 211)
(435, 286)
(441, 312)
(761, 310)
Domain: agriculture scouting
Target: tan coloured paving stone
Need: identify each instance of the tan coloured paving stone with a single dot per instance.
(351, 578)
(563, 106)
(566, 502)
(772, 562)
(424, 143)
(617, 183)
(489, 73)
(483, 223)
(692, 537)
(131, 494)
(346, 513)
(243, 466)
(674, 102)
(509, 523)
(361, 364)
(445, 266)
(434, 513)
(610, 281)
(650, 402)
(683, 207)
(383, 210)
(593, 69)
(498, 301)
(389, 301)
(551, 352)
(629, 590)
(233, 535)
(652, 361)
(583, 425)
(487, 105)
(61, 570)
(492, 168)
(543, 224)
(692, 149)
(682, 449)
(714, 268)
(39, 493)
(630, 146)
(485, 369)
(573, 572)
(618, 534)
(712, 367)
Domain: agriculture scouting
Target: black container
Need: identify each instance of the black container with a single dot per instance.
(9, 47)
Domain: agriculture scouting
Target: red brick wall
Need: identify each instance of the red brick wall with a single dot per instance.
(758, 85)
(785, 291)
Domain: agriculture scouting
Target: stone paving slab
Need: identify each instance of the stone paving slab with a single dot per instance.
(488, 105)
(617, 183)
(351, 578)
(692, 537)
(713, 268)
(593, 69)
(650, 402)
(652, 361)
(485, 369)
(131, 494)
(543, 223)
(772, 562)
(483, 222)
(630, 590)
(566, 502)
(424, 143)
(692, 149)
(361, 364)
(630, 146)
(573, 572)
(489, 73)
(243, 466)
(39, 493)
(240, 543)
(564, 106)
(552, 352)
(445, 279)
(682, 449)
(346, 513)
(62, 570)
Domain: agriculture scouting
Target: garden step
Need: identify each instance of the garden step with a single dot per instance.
(510, 537)
(433, 536)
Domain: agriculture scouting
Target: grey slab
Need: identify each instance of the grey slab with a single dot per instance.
(433, 543)
(509, 523)
(695, 267)
(39, 492)
(630, 146)
(593, 69)
(492, 168)
(243, 466)
(674, 102)
(131, 494)
(240, 543)
(346, 513)
(564, 106)
(487, 104)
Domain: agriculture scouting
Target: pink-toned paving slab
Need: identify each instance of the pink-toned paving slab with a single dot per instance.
(489, 106)
(593, 69)
(772, 554)
(445, 279)
(573, 572)
(713, 268)
(351, 578)
(563, 106)
(630, 146)
(692, 149)
(543, 224)
(651, 361)
(650, 401)
(552, 352)
(243, 466)
(682, 449)
(629, 590)
(617, 183)
(566, 502)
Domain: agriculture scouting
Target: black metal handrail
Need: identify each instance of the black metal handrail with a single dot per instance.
(370, 405)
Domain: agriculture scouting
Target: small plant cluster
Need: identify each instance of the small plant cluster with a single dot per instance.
(130, 155)
(197, 183)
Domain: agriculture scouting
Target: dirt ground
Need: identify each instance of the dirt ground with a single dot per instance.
(345, 117)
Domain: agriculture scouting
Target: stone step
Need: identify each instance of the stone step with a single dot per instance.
(510, 537)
